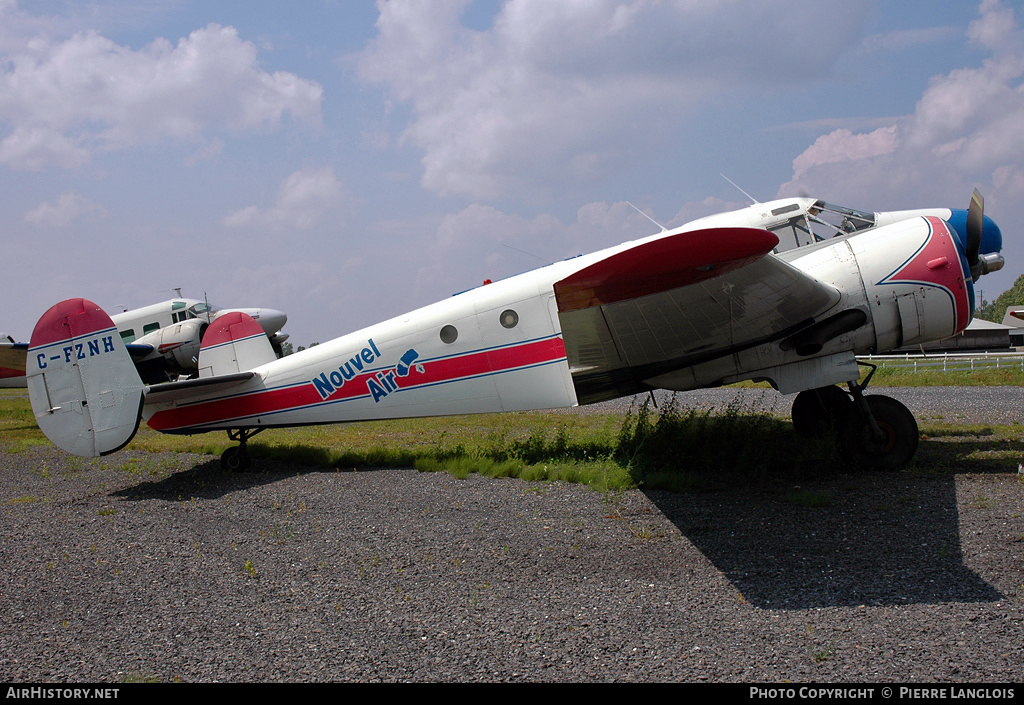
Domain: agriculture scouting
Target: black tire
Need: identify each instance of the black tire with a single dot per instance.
(894, 449)
(817, 412)
(235, 459)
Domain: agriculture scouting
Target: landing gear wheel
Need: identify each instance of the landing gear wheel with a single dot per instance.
(235, 459)
(893, 447)
(818, 411)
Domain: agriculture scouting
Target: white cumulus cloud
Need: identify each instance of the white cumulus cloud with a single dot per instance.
(62, 100)
(69, 207)
(303, 200)
(967, 129)
(843, 145)
(573, 91)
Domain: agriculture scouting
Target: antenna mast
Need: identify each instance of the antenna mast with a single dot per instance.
(752, 199)
(663, 228)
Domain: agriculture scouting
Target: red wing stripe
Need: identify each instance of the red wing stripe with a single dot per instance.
(661, 265)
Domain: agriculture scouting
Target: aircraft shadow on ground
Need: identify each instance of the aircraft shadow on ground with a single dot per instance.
(881, 538)
(878, 539)
(209, 481)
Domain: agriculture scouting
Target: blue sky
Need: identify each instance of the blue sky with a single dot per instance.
(347, 161)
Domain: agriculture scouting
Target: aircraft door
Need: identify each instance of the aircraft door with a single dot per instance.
(910, 317)
(926, 314)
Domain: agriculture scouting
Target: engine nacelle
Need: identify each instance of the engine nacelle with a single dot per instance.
(903, 284)
(910, 278)
(928, 296)
(178, 344)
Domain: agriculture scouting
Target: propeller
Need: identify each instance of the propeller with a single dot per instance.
(975, 225)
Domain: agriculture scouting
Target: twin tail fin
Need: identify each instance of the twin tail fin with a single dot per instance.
(86, 392)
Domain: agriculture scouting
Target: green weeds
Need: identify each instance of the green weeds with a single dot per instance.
(671, 448)
(691, 450)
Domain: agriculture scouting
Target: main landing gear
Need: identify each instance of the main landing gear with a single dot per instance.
(236, 458)
(873, 432)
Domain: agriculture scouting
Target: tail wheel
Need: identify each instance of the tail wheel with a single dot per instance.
(235, 459)
(892, 447)
(818, 411)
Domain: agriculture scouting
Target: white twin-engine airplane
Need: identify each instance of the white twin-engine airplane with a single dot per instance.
(710, 303)
(165, 338)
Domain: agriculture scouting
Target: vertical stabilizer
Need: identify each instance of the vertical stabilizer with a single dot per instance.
(86, 394)
(234, 342)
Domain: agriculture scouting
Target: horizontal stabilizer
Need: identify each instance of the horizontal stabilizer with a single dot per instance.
(175, 391)
(12, 362)
(85, 392)
(234, 343)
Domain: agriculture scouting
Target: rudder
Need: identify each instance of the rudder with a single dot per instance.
(85, 392)
(233, 343)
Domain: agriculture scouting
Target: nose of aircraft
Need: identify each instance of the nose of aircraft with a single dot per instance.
(979, 238)
(991, 235)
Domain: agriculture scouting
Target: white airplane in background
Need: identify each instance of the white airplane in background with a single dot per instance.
(173, 331)
(12, 362)
(163, 339)
(707, 304)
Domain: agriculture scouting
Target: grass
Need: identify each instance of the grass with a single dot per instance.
(672, 448)
(892, 375)
(896, 376)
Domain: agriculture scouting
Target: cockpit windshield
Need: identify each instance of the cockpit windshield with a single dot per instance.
(840, 219)
(202, 310)
(821, 221)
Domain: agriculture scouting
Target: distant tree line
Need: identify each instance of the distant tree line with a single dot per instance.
(995, 310)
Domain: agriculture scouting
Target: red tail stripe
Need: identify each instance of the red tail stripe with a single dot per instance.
(230, 327)
(69, 319)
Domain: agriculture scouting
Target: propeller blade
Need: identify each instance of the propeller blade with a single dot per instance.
(975, 224)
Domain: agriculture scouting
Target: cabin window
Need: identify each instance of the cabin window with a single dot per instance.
(128, 336)
(449, 334)
(508, 318)
(786, 209)
(150, 327)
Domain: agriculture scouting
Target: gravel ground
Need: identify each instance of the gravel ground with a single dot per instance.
(154, 566)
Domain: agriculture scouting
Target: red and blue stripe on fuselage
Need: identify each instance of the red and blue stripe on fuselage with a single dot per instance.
(313, 400)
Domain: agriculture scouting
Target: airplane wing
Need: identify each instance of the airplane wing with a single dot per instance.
(678, 301)
(12, 355)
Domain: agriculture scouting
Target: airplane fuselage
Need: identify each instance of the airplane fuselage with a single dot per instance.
(500, 347)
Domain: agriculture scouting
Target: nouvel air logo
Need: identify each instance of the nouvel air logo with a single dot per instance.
(379, 383)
